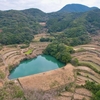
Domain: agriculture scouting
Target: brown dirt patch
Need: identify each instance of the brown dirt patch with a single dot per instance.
(86, 69)
(63, 98)
(80, 97)
(67, 94)
(81, 80)
(1, 84)
(83, 91)
(49, 80)
(0, 30)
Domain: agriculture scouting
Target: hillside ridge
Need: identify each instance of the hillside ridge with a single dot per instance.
(76, 8)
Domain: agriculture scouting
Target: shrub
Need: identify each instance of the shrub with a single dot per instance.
(60, 51)
(10, 68)
(78, 73)
(94, 88)
(2, 75)
(75, 62)
(80, 50)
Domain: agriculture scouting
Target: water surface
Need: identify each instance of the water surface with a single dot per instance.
(41, 63)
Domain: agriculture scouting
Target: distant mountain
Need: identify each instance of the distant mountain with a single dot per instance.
(76, 8)
(37, 14)
(33, 11)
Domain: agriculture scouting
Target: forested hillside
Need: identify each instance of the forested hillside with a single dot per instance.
(36, 14)
(76, 8)
(87, 21)
(20, 26)
(77, 27)
(17, 27)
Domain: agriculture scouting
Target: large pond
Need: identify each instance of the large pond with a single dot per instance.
(41, 63)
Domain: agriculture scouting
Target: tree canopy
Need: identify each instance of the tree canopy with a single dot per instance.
(59, 51)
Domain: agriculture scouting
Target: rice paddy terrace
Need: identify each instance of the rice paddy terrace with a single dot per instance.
(11, 56)
(89, 60)
(88, 69)
(60, 84)
(63, 88)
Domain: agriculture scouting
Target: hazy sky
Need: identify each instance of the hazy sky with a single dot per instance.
(44, 5)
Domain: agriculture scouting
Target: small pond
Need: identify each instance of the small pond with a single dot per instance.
(41, 63)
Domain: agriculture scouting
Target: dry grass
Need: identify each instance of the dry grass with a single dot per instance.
(80, 97)
(92, 77)
(38, 37)
(63, 98)
(48, 80)
(87, 70)
(67, 94)
(1, 84)
(80, 80)
(97, 67)
(59, 77)
(83, 91)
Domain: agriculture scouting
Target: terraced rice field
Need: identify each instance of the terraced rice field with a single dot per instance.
(66, 82)
(94, 64)
(13, 55)
(1, 62)
(90, 55)
(10, 55)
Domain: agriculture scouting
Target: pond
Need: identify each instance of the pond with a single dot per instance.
(41, 63)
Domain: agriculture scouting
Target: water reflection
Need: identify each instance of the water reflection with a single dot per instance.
(48, 57)
(39, 64)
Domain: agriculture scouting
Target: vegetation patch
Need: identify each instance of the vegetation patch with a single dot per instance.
(24, 46)
(46, 39)
(29, 52)
(80, 50)
(94, 88)
(75, 62)
(54, 84)
(11, 91)
(89, 65)
(2, 75)
(59, 51)
(10, 68)
(69, 87)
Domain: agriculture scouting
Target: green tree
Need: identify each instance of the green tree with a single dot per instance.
(59, 51)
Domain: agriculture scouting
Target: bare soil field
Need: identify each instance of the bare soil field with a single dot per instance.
(1, 84)
(57, 80)
(83, 91)
(48, 80)
(80, 97)
(63, 98)
(39, 36)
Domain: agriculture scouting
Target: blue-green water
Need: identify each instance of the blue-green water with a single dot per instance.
(41, 63)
